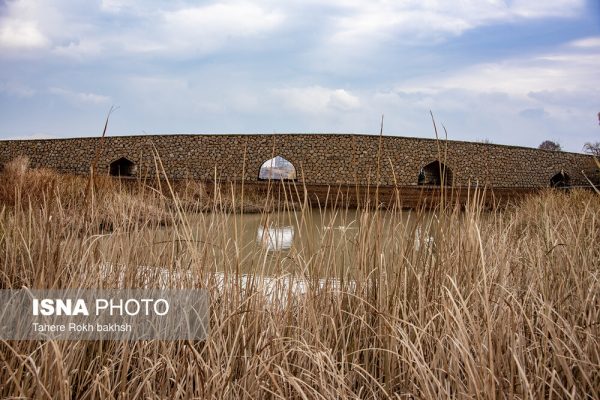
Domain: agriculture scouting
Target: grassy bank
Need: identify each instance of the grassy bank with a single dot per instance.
(501, 304)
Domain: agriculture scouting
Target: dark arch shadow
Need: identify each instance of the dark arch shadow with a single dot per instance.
(122, 167)
(277, 168)
(560, 180)
(435, 174)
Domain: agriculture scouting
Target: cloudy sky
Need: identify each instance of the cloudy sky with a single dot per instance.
(511, 72)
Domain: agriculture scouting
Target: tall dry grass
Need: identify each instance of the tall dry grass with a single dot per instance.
(500, 304)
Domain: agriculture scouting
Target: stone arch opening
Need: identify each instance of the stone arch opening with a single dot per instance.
(122, 167)
(435, 174)
(277, 168)
(560, 180)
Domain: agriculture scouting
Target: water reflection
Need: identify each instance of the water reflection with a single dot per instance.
(292, 240)
(275, 238)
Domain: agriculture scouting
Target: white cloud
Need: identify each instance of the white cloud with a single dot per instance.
(416, 21)
(239, 18)
(589, 42)
(116, 6)
(205, 29)
(174, 29)
(181, 29)
(80, 97)
(33, 136)
(533, 113)
(16, 89)
(519, 100)
(545, 9)
(356, 32)
(317, 99)
(29, 27)
(18, 34)
(73, 30)
(82, 49)
(566, 69)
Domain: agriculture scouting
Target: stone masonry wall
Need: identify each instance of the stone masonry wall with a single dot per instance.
(318, 158)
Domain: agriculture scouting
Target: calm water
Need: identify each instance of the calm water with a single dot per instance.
(313, 243)
(293, 240)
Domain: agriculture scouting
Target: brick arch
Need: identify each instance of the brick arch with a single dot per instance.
(560, 179)
(122, 167)
(435, 173)
(277, 168)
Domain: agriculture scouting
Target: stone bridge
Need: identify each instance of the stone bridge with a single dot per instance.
(318, 159)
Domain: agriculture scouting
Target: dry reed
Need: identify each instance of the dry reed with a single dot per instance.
(450, 304)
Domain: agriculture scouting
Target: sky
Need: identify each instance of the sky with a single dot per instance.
(510, 72)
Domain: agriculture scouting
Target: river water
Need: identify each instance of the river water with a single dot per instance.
(314, 243)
